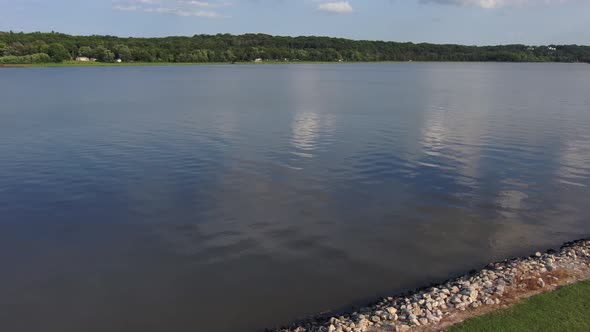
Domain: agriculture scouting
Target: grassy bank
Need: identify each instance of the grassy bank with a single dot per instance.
(152, 64)
(269, 62)
(107, 64)
(566, 309)
(123, 64)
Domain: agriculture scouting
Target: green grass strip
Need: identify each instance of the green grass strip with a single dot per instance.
(566, 309)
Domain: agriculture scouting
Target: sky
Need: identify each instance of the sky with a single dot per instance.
(471, 22)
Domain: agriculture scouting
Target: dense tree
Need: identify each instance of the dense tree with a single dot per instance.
(25, 59)
(58, 53)
(86, 51)
(103, 54)
(17, 49)
(248, 47)
(39, 46)
(122, 52)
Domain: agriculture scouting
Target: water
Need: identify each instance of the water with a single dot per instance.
(234, 198)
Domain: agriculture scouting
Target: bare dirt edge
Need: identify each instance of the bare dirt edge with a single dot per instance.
(506, 302)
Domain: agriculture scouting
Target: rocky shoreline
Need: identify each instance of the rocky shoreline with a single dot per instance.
(435, 308)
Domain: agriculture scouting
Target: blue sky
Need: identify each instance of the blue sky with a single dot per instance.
(440, 21)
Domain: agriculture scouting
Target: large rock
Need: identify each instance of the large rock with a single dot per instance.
(391, 310)
(432, 318)
(363, 323)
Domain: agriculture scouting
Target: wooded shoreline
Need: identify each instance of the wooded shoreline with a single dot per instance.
(74, 64)
(38, 47)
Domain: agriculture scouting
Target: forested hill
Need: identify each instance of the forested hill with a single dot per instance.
(56, 47)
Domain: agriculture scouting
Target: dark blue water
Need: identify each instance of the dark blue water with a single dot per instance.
(233, 198)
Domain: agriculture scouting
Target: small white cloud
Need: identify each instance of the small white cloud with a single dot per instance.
(183, 12)
(126, 8)
(204, 4)
(184, 8)
(146, 2)
(490, 4)
(198, 3)
(340, 7)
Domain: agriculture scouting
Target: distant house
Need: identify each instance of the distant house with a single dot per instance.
(552, 48)
(83, 59)
(258, 60)
(118, 61)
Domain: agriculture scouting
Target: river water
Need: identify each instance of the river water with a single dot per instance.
(234, 198)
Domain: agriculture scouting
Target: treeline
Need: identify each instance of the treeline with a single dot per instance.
(57, 47)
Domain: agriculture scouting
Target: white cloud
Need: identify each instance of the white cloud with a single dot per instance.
(197, 3)
(216, 8)
(126, 8)
(183, 12)
(489, 4)
(144, 2)
(340, 7)
(204, 4)
(184, 8)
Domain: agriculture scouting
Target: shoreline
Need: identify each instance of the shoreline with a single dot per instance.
(435, 308)
(166, 64)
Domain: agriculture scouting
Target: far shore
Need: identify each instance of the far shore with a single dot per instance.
(127, 64)
(155, 64)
